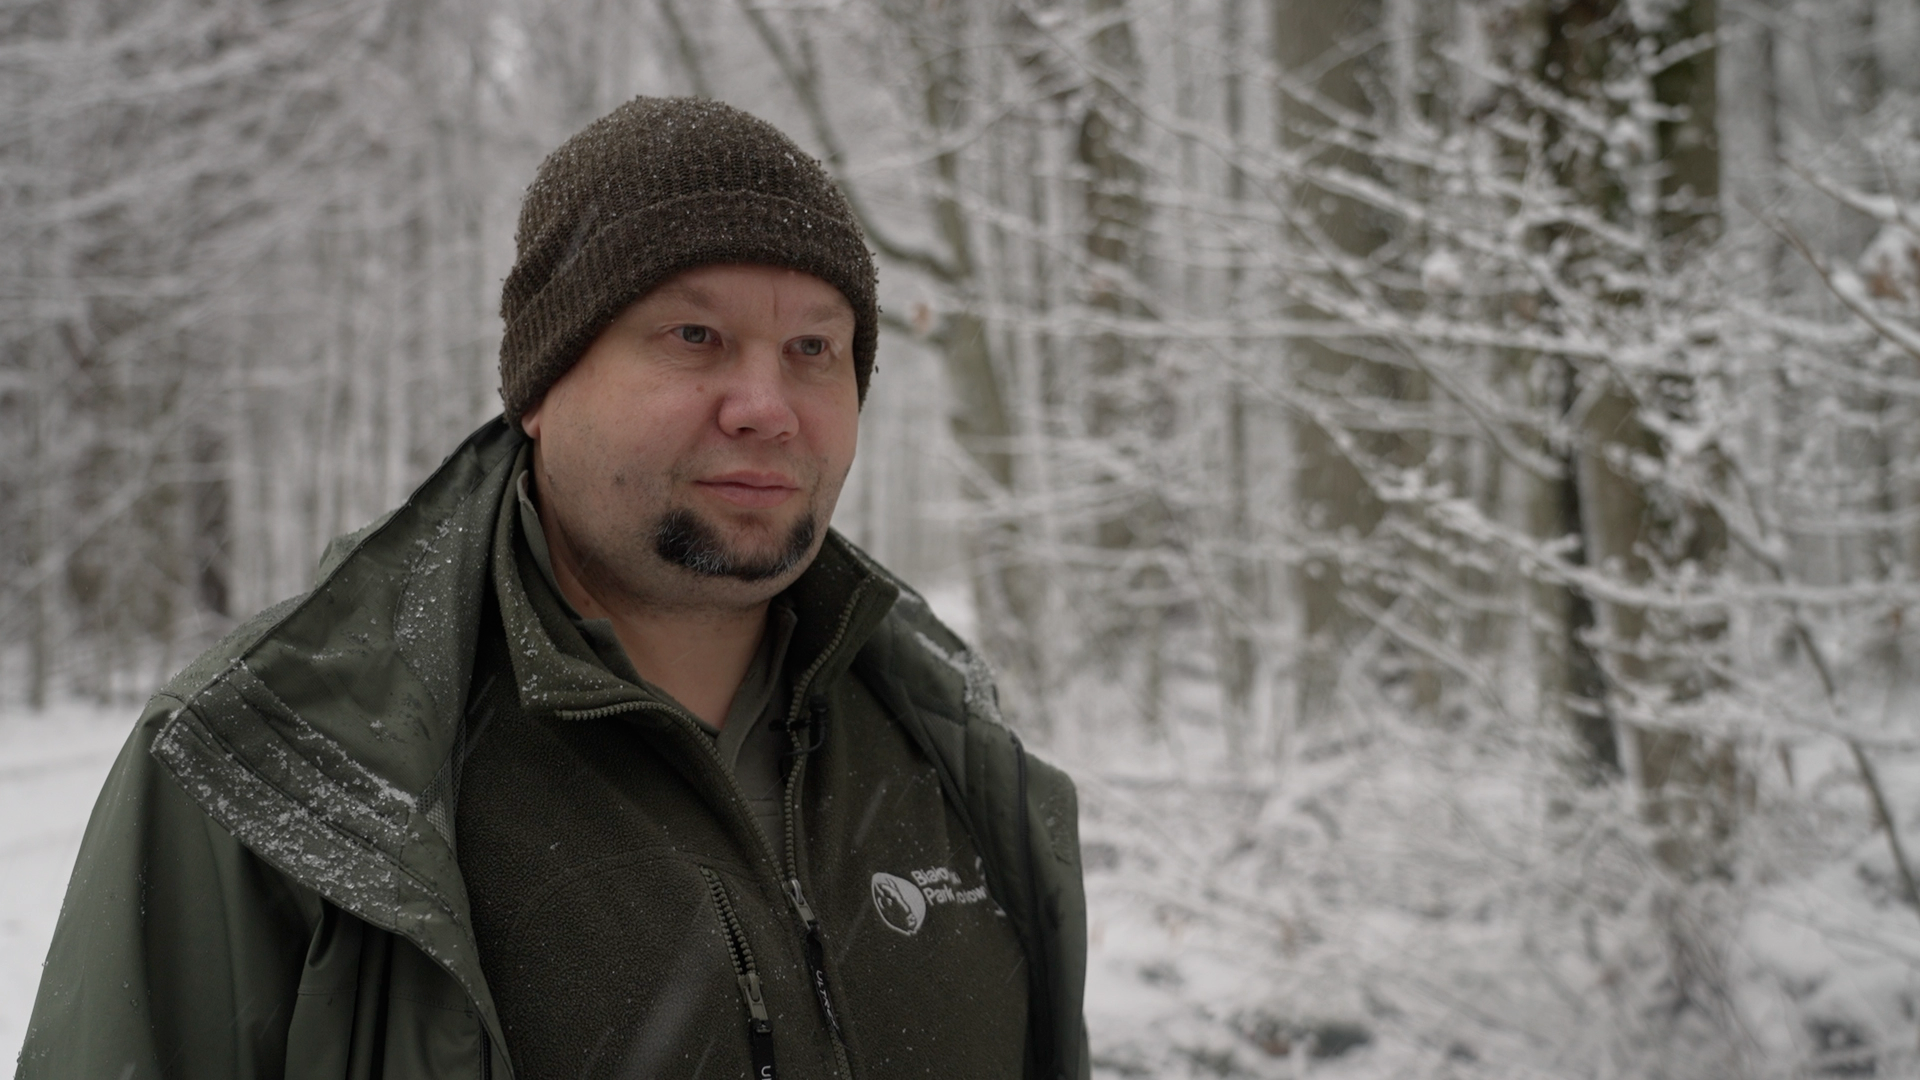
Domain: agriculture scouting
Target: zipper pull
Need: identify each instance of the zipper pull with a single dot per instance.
(799, 899)
(759, 1028)
(816, 956)
(756, 1004)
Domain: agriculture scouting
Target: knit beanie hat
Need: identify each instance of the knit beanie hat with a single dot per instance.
(657, 186)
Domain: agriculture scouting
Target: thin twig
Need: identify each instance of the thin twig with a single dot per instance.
(803, 80)
(1885, 815)
(1860, 760)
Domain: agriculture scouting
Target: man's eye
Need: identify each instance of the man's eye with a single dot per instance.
(811, 346)
(694, 335)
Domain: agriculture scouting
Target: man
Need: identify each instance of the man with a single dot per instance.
(601, 756)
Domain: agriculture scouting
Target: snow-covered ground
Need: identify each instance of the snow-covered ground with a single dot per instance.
(51, 768)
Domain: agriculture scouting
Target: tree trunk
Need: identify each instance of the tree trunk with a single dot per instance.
(1330, 492)
(1633, 526)
(1126, 407)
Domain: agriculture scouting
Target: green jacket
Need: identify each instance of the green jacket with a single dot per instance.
(268, 886)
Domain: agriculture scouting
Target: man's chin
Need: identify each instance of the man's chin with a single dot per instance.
(689, 541)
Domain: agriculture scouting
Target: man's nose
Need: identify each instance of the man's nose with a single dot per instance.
(756, 402)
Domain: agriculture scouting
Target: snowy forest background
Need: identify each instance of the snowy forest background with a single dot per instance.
(1444, 474)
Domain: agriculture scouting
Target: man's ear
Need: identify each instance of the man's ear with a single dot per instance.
(530, 420)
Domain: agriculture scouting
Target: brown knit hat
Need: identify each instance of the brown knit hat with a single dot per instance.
(657, 186)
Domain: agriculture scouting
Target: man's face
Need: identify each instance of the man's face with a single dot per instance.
(694, 454)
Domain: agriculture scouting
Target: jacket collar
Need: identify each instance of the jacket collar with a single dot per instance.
(313, 735)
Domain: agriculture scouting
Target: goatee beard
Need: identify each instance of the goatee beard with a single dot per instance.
(685, 540)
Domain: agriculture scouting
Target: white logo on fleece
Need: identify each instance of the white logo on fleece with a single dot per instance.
(903, 903)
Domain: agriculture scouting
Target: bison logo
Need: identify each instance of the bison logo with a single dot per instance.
(900, 903)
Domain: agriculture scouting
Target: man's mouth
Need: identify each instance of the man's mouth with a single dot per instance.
(750, 490)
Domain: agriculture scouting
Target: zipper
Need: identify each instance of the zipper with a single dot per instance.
(812, 945)
(789, 807)
(817, 963)
(759, 1023)
(811, 942)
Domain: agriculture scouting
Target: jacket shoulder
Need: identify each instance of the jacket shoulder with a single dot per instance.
(938, 670)
(208, 665)
(343, 545)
